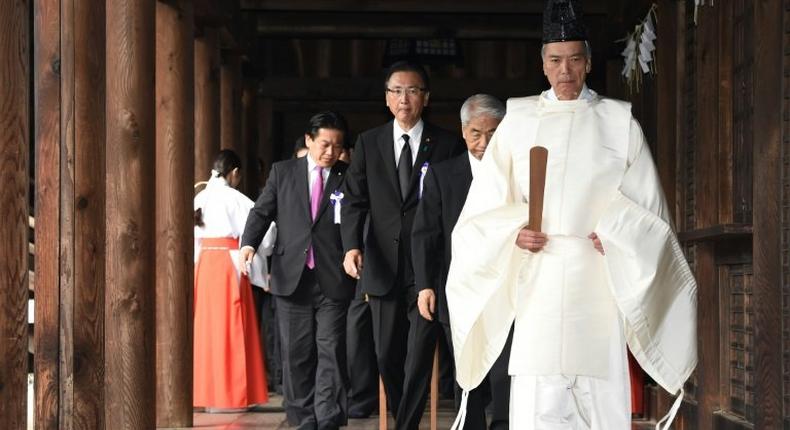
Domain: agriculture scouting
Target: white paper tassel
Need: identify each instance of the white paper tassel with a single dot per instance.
(337, 200)
(639, 50)
(423, 171)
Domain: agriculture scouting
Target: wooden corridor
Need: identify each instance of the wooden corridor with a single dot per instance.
(110, 111)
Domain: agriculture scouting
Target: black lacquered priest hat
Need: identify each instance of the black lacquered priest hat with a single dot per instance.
(563, 21)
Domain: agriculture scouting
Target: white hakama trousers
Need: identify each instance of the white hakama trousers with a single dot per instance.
(570, 402)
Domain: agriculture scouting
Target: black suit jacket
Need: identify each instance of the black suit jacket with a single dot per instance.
(286, 200)
(372, 187)
(445, 188)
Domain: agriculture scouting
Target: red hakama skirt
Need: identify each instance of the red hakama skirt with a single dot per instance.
(228, 361)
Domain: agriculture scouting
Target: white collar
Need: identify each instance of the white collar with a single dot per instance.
(216, 181)
(474, 163)
(414, 133)
(585, 94)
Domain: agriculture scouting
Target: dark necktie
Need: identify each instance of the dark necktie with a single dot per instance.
(404, 167)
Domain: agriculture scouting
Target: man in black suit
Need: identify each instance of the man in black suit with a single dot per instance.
(384, 182)
(311, 289)
(445, 187)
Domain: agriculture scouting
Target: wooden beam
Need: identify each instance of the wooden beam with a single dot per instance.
(14, 136)
(207, 117)
(47, 114)
(414, 6)
(399, 25)
(175, 131)
(129, 308)
(767, 282)
(716, 233)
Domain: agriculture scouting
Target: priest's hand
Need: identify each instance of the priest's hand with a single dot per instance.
(245, 259)
(352, 263)
(596, 242)
(532, 241)
(426, 303)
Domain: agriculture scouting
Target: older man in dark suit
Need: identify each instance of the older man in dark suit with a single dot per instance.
(311, 289)
(384, 182)
(444, 194)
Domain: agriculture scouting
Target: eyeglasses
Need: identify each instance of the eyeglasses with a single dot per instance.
(410, 91)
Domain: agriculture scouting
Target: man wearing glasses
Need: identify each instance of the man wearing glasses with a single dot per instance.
(384, 182)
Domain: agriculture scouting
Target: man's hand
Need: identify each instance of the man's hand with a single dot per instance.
(352, 263)
(532, 241)
(426, 303)
(245, 259)
(596, 242)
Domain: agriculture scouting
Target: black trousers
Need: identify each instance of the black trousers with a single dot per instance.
(312, 330)
(270, 339)
(390, 331)
(418, 366)
(363, 388)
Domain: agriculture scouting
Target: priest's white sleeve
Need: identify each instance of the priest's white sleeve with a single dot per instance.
(649, 276)
(484, 269)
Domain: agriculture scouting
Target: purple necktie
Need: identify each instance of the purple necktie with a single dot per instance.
(315, 200)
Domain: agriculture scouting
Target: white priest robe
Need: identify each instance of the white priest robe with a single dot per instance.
(572, 307)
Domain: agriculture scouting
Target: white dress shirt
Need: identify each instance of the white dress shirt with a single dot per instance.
(415, 134)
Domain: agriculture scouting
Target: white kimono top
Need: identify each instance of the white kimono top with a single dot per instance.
(600, 178)
(225, 211)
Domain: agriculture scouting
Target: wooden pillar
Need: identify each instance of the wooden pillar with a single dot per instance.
(47, 69)
(129, 308)
(670, 127)
(767, 291)
(669, 96)
(70, 136)
(707, 171)
(265, 117)
(175, 110)
(249, 139)
(230, 103)
(207, 64)
(14, 135)
(323, 58)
